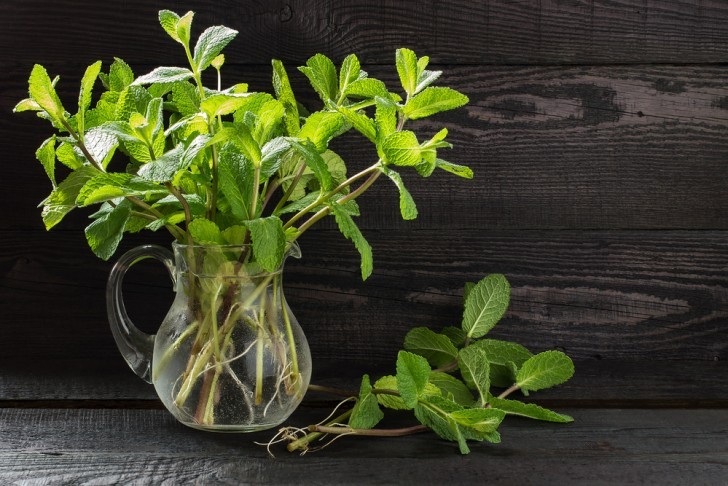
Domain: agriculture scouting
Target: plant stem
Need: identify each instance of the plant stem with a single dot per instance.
(291, 187)
(510, 390)
(353, 195)
(185, 206)
(254, 202)
(331, 391)
(303, 442)
(448, 367)
(415, 429)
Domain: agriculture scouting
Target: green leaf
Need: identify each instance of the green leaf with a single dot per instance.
(186, 97)
(211, 42)
(46, 154)
(402, 148)
(467, 288)
(168, 20)
(63, 198)
(105, 233)
(362, 123)
(234, 235)
(235, 174)
(272, 156)
(27, 105)
(269, 241)
(223, 104)
(485, 305)
(241, 137)
(107, 185)
(284, 93)
(457, 335)
(321, 73)
(349, 229)
(68, 156)
(479, 419)
(407, 205)
(315, 162)
(529, 410)
(165, 167)
(449, 385)
(545, 370)
(499, 355)
(218, 62)
(435, 413)
(41, 91)
(84, 96)
(367, 88)
(350, 71)
(184, 27)
(389, 382)
(269, 117)
(163, 74)
(366, 413)
(413, 373)
(120, 75)
(320, 127)
(436, 348)
(205, 232)
(458, 170)
(433, 100)
(475, 370)
(406, 61)
(426, 78)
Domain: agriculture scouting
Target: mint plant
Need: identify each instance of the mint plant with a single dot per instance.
(220, 165)
(448, 381)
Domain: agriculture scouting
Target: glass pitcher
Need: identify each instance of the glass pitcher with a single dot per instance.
(230, 355)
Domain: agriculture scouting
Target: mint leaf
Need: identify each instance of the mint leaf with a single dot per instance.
(481, 420)
(475, 370)
(426, 78)
(350, 71)
(120, 75)
(41, 91)
(284, 93)
(434, 412)
(272, 156)
(394, 402)
(223, 104)
(168, 20)
(46, 155)
(367, 88)
(165, 167)
(270, 115)
(433, 100)
(105, 233)
(163, 74)
(68, 156)
(186, 98)
(485, 305)
(235, 174)
(241, 137)
(413, 373)
(466, 290)
(349, 229)
(320, 127)
(458, 170)
(385, 117)
(401, 148)
(27, 105)
(205, 232)
(269, 241)
(211, 42)
(457, 335)
(321, 73)
(502, 355)
(407, 205)
(362, 123)
(449, 385)
(84, 96)
(366, 413)
(436, 348)
(529, 410)
(545, 370)
(108, 185)
(234, 235)
(63, 198)
(184, 27)
(406, 62)
(315, 162)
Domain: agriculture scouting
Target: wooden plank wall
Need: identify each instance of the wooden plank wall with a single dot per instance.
(597, 129)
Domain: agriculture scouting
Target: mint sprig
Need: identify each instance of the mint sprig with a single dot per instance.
(455, 400)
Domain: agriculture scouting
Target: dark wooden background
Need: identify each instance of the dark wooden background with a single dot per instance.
(598, 134)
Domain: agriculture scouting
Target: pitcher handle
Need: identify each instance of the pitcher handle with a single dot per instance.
(135, 346)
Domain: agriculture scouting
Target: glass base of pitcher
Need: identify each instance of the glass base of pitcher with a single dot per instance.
(231, 429)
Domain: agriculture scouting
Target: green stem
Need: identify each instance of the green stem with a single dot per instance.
(291, 187)
(304, 441)
(291, 343)
(332, 391)
(254, 201)
(415, 429)
(510, 390)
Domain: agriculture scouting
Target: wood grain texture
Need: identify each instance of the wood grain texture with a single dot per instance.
(596, 295)
(149, 447)
(558, 147)
(485, 32)
(108, 383)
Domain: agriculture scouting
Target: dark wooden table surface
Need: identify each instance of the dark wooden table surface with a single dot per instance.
(598, 133)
